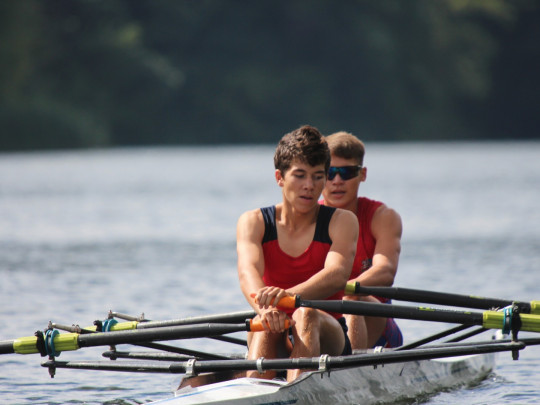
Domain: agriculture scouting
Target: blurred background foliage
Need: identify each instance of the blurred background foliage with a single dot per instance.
(100, 73)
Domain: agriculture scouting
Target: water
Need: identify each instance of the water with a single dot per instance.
(153, 230)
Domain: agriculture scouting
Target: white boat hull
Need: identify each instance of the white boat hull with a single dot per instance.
(358, 385)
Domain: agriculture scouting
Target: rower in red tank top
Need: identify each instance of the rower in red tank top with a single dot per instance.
(366, 242)
(379, 241)
(296, 247)
(285, 271)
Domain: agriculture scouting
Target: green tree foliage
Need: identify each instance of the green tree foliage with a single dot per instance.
(94, 73)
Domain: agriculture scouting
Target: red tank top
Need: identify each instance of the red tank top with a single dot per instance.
(285, 271)
(366, 242)
(365, 247)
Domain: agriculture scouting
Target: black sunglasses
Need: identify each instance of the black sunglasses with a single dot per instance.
(345, 172)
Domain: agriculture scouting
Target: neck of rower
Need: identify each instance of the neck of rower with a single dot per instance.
(292, 220)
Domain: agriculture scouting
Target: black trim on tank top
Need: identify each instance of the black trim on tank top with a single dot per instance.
(323, 223)
(321, 228)
(270, 230)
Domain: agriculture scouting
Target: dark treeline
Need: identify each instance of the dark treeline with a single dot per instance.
(98, 73)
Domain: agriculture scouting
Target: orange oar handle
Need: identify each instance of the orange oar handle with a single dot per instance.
(284, 303)
(256, 326)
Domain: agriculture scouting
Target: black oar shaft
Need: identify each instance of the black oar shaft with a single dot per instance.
(394, 311)
(6, 347)
(467, 335)
(297, 363)
(232, 317)
(74, 341)
(157, 356)
(158, 334)
(230, 339)
(434, 337)
(182, 351)
(439, 298)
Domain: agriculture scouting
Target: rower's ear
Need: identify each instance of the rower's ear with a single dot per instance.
(279, 177)
(363, 174)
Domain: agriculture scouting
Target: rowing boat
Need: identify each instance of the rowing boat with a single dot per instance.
(371, 383)
(364, 385)
(420, 368)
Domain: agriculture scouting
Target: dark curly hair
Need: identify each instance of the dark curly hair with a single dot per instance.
(306, 145)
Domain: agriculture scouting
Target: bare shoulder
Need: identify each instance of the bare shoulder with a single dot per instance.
(344, 215)
(344, 219)
(250, 224)
(251, 217)
(386, 218)
(384, 212)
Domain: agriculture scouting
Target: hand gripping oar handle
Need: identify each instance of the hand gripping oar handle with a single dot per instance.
(285, 302)
(257, 326)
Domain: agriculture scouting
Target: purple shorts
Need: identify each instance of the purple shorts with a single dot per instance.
(391, 336)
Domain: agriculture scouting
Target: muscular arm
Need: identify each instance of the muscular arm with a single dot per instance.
(386, 228)
(332, 278)
(249, 234)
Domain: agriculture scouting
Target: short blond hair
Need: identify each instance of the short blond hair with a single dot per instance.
(347, 146)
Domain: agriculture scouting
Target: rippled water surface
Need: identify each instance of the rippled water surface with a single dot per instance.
(153, 231)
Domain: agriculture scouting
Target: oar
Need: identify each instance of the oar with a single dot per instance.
(434, 337)
(57, 342)
(157, 356)
(467, 335)
(162, 356)
(182, 351)
(323, 363)
(440, 298)
(230, 317)
(150, 345)
(230, 339)
(141, 323)
(504, 320)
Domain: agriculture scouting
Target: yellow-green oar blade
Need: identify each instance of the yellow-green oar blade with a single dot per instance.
(498, 320)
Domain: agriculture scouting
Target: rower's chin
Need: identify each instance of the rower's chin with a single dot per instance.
(335, 199)
(306, 204)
